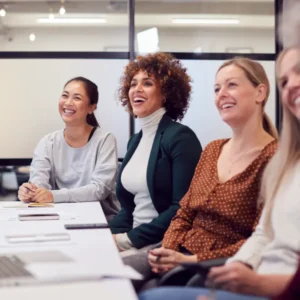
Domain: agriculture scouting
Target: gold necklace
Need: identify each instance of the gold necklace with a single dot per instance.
(239, 158)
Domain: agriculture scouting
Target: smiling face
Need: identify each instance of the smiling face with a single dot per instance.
(145, 94)
(74, 104)
(289, 81)
(236, 97)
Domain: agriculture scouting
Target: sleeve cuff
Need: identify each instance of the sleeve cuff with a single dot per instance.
(123, 241)
(253, 261)
(60, 196)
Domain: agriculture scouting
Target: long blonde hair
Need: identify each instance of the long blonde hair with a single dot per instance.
(256, 75)
(287, 155)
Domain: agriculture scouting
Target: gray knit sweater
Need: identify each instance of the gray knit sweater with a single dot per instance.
(80, 174)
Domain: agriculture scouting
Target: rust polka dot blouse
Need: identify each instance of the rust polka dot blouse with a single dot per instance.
(215, 219)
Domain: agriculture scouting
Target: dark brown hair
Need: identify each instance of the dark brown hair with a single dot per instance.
(174, 82)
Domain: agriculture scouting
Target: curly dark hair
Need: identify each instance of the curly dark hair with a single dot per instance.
(175, 83)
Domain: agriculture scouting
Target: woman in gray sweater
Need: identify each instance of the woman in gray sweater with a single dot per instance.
(78, 163)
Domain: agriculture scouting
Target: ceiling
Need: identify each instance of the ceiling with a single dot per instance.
(250, 13)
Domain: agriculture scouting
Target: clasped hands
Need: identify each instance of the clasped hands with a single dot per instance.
(163, 260)
(29, 192)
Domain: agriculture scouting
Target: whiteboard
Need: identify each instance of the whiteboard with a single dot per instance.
(202, 115)
(30, 89)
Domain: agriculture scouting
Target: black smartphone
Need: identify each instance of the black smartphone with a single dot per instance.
(203, 267)
(197, 268)
(86, 226)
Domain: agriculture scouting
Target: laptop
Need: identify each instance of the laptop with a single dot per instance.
(52, 267)
(13, 267)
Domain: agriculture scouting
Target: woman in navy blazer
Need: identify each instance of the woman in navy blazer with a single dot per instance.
(161, 158)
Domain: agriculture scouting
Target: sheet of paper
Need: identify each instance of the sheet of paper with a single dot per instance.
(19, 204)
(76, 271)
(13, 204)
(38, 238)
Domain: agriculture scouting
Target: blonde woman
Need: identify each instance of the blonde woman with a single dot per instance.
(267, 262)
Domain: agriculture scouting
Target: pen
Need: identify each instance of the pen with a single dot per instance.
(157, 256)
(28, 189)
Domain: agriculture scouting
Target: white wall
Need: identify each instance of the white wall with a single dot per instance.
(30, 89)
(202, 116)
(171, 40)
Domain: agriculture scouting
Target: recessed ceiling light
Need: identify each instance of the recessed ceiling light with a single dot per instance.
(71, 21)
(32, 37)
(2, 12)
(205, 21)
(62, 10)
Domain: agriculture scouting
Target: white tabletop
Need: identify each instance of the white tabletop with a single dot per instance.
(93, 247)
(107, 289)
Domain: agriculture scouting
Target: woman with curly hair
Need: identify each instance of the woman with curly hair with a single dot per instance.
(161, 158)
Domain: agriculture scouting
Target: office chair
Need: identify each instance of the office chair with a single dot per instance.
(190, 274)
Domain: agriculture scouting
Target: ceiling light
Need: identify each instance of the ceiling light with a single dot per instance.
(2, 12)
(51, 14)
(198, 50)
(71, 21)
(62, 10)
(32, 37)
(206, 21)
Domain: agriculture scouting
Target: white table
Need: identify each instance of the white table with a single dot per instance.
(108, 289)
(94, 248)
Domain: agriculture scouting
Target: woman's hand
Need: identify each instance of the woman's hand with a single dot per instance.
(115, 239)
(235, 277)
(42, 195)
(27, 191)
(164, 260)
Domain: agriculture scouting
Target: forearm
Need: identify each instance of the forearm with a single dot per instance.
(178, 229)
(251, 250)
(122, 222)
(272, 285)
(153, 232)
(90, 192)
(40, 168)
(189, 259)
(220, 253)
(40, 176)
(175, 237)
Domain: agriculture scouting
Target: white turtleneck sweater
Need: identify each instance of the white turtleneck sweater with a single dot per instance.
(134, 176)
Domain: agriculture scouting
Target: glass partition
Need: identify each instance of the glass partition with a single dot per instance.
(223, 26)
(63, 26)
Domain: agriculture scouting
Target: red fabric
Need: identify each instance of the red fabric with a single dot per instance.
(292, 292)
